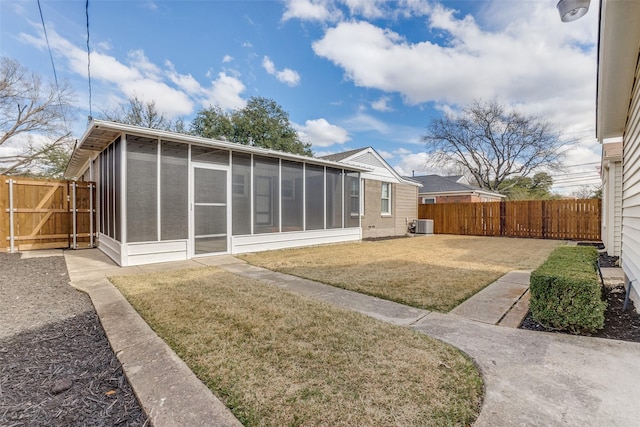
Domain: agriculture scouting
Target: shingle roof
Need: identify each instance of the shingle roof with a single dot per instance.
(443, 184)
(341, 156)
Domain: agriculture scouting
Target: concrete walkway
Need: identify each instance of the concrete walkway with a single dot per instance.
(531, 378)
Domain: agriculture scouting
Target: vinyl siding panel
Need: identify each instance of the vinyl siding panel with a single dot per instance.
(406, 206)
(631, 190)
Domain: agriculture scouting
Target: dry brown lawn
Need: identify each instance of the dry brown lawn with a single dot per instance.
(433, 272)
(278, 359)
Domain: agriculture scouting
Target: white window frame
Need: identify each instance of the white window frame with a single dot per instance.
(388, 198)
(424, 200)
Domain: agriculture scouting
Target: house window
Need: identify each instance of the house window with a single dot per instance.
(428, 200)
(385, 206)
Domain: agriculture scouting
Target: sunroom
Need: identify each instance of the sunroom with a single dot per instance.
(165, 196)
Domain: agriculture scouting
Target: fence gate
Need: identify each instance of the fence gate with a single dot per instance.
(46, 214)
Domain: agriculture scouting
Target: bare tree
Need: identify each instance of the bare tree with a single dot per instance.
(493, 144)
(587, 192)
(32, 120)
(143, 113)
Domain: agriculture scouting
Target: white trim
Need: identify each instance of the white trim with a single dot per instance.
(124, 188)
(293, 239)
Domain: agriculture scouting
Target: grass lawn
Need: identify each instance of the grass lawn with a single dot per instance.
(433, 272)
(278, 359)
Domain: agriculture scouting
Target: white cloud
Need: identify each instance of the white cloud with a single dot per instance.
(533, 61)
(175, 94)
(385, 154)
(286, 75)
(225, 92)
(321, 133)
(227, 58)
(382, 104)
(362, 122)
(414, 163)
(311, 10)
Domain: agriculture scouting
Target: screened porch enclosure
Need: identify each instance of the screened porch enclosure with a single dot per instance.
(165, 200)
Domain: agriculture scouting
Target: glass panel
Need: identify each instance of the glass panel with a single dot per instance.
(334, 198)
(292, 196)
(210, 220)
(208, 245)
(142, 191)
(174, 191)
(209, 155)
(352, 199)
(265, 202)
(314, 180)
(210, 186)
(241, 192)
(385, 206)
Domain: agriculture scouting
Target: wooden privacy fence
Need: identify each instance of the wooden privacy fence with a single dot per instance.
(543, 219)
(46, 214)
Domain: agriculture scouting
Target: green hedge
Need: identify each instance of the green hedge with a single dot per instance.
(566, 291)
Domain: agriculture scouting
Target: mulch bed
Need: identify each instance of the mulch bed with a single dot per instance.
(618, 324)
(59, 369)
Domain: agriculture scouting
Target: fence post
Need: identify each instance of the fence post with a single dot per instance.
(11, 232)
(74, 218)
(503, 217)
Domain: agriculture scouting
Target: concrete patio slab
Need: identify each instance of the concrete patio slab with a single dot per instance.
(545, 379)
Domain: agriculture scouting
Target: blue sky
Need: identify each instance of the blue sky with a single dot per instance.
(351, 73)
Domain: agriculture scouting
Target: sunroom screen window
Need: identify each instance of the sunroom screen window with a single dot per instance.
(142, 189)
(352, 200)
(174, 191)
(334, 198)
(266, 191)
(292, 196)
(241, 193)
(314, 180)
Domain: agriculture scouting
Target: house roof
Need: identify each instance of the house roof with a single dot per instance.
(100, 134)
(341, 156)
(442, 184)
(369, 157)
(618, 43)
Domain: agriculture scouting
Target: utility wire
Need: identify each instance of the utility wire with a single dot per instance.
(86, 8)
(53, 65)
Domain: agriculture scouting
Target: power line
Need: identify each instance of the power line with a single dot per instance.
(53, 65)
(86, 9)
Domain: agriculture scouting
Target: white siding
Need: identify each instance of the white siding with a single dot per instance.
(617, 209)
(380, 170)
(631, 192)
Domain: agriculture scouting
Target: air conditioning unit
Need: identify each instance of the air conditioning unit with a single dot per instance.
(424, 226)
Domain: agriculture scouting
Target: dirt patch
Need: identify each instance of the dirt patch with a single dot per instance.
(56, 365)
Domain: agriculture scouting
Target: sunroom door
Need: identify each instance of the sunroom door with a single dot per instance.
(210, 210)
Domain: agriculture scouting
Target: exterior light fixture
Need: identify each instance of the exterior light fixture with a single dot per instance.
(570, 10)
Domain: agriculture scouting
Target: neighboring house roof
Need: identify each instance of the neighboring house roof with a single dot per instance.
(368, 157)
(617, 59)
(100, 134)
(436, 184)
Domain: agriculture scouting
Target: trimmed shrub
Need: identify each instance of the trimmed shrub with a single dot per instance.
(566, 291)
